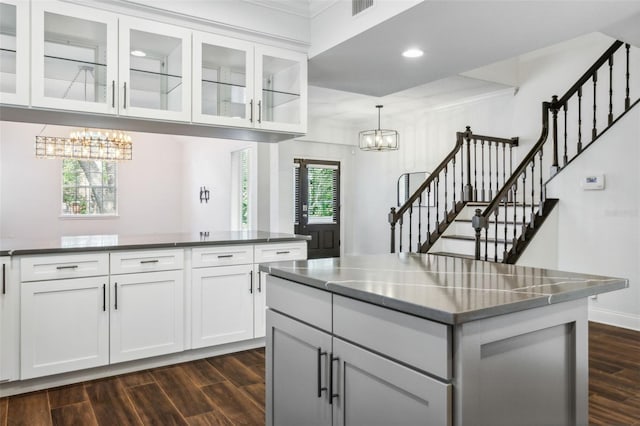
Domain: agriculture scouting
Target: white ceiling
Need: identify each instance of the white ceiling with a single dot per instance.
(457, 36)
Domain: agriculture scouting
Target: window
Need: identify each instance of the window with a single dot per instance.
(89, 187)
(242, 182)
(320, 191)
(244, 189)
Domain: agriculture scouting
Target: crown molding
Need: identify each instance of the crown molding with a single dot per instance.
(292, 7)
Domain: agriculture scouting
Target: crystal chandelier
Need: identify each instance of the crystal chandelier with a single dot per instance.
(87, 144)
(379, 139)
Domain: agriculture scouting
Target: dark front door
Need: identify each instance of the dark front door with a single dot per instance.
(317, 206)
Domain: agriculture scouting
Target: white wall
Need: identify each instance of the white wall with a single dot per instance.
(599, 231)
(157, 191)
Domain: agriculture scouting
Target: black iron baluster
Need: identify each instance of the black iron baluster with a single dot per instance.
(495, 237)
(497, 167)
(489, 158)
(533, 186)
(565, 158)
(515, 210)
(410, 226)
(594, 131)
(468, 190)
(482, 151)
(400, 238)
(504, 168)
(462, 198)
(429, 213)
(627, 100)
(610, 118)
(392, 222)
(475, 170)
(541, 183)
(446, 190)
(453, 186)
(524, 202)
(579, 119)
(506, 216)
(420, 222)
(486, 244)
(510, 160)
(436, 196)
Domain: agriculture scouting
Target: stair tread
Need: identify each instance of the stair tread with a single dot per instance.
(463, 256)
(473, 238)
(486, 203)
(509, 222)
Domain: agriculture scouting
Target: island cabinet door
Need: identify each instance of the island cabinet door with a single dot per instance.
(368, 389)
(147, 315)
(64, 325)
(297, 373)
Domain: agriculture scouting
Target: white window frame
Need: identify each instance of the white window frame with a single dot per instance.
(113, 215)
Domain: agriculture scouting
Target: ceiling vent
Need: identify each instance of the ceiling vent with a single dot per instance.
(358, 6)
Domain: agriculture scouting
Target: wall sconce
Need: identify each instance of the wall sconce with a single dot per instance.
(204, 194)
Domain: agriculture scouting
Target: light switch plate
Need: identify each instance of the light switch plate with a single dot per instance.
(593, 182)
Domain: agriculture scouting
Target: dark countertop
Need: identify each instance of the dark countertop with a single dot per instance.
(15, 247)
(444, 289)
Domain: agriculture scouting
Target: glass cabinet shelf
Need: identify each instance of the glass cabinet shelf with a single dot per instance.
(276, 98)
(154, 81)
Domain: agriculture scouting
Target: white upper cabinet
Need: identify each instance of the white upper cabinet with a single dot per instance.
(14, 52)
(155, 70)
(74, 58)
(238, 83)
(281, 89)
(222, 80)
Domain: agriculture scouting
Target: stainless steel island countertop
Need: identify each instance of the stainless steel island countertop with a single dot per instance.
(14, 247)
(444, 289)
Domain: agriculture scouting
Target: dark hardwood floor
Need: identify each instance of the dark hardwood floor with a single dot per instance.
(229, 390)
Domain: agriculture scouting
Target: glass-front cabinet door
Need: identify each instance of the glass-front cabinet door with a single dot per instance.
(155, 70)
(74, 58)
(222, 80)
(14, 52)
(281, 89)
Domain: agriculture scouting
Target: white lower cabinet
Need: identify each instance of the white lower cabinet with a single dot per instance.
(64, 325)
(147, 315)
(9, 323)
(259, 303)
(222, 304)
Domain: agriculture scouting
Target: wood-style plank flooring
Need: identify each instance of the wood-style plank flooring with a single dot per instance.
(229, 390)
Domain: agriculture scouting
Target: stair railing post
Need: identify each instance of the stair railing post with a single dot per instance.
(392, 222)
(468, 189)
(554, 110)
(478, 222)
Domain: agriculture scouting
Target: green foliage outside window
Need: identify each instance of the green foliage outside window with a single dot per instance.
(321, 191)
(88, 187)
(244, 188)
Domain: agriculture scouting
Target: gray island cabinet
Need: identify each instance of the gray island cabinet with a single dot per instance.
(426, 340)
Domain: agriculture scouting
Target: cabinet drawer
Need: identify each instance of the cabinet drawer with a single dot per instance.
(53, 267)
(296, 250)
(306, 304)
(125, 262)
(415, 341)
(221, 256)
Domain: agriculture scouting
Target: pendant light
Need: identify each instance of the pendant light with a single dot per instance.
(379, 139)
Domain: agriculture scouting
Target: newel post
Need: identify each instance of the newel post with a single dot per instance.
(554, 112)
(478, 222)
(392, 222)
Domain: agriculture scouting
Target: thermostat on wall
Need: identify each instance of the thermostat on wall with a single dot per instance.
(594, 181)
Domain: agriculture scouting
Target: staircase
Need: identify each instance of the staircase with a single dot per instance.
(486, 209)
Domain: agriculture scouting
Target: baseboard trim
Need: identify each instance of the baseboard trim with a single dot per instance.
(617, 319)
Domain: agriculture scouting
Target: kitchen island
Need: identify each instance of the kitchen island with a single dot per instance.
(427, 340)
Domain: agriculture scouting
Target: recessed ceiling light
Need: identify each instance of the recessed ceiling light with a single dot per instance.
(412, 53)
(138, 53)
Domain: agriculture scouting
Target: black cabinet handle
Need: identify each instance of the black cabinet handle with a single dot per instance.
(4, 278)
(115, 304)
(113, 93)
(224, 256)
(150, 261)
(124, 102)
(251, 285)
(331, 394)
(104, 297)
(251, 111)
(259, 111)
(321, 353)
(283, 252)
(259, 282)
(67, 267)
